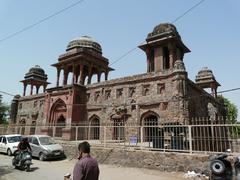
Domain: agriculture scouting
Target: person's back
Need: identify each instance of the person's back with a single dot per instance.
(24, 145)
(87, 167)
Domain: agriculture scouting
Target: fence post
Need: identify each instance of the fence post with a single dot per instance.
(190, 138)
(76, 133)
(54, 131)
(141, 137)
(105, 136)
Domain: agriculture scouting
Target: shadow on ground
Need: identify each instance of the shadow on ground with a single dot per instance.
(5, 170)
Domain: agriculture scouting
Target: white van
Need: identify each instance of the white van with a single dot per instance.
(9, 143)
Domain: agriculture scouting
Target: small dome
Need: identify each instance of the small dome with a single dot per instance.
(163, 29)
(85, 42)
(205, 78)
(37, 70)
(205, 73)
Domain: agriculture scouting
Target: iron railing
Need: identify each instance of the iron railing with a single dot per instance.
(177, 138)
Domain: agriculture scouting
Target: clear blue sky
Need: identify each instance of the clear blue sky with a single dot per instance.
(211, 31)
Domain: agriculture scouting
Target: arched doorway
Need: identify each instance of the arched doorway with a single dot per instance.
(58, 116)
(152, 134)
(60, 124)
(22, 126)
(94, 130)
(150, 129)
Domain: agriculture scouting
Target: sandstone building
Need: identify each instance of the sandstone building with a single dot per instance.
(162, 95)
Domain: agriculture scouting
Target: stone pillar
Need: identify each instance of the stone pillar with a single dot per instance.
(81, 78)
(58, 76)
(214, 90)
(148, 60)
(73, 75)
(171, 61)
(89, 75)
(31, 91)
(99, 76)
(24, 89)
(44, 88)
(65, 77)
(106, 75)
(37, 89)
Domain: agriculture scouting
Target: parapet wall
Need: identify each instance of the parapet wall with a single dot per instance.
(163, 161)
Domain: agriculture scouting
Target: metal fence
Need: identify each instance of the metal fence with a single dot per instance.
(177, 138)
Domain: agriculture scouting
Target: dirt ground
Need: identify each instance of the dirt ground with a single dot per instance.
(55, 170)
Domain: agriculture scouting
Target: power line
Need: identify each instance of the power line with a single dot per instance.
(189, 10)
(3, 92)
(179, 17)
(41, 21)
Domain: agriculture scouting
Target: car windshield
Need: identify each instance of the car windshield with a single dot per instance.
(14, 139)
(46, 140)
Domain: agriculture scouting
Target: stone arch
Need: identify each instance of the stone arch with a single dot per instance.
(94, 127)
(151, 132)
(58, 108)
(147, 115)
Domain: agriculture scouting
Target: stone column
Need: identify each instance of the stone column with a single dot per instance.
(58, 76)
(37, 89)
(106, 75)
(214, 90)
(80, 81)
(44, 87)
(89, 75)
(148, 60)
(74, 73)
(99, 76)
(31, 91)
(24, 89)
(65, 78)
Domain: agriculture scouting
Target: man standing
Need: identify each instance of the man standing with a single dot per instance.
(86, 168)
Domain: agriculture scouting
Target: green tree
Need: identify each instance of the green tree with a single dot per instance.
(232, 111)
(4, 110)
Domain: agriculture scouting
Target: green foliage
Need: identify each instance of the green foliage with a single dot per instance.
(4, 110)
(232, 111)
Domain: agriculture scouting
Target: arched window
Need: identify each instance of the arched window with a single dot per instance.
(94, 128)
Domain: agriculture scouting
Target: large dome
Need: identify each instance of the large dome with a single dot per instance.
(84, 42)
(163, 29)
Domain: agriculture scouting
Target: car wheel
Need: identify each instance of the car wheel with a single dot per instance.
(217, 167)
(42, 157)
(9, 152)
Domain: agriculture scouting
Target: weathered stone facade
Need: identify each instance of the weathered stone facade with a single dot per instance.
(163, 95)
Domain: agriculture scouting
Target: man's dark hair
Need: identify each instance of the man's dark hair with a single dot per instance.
(84, 147)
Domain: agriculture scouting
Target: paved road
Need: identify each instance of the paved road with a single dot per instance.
(54, 170)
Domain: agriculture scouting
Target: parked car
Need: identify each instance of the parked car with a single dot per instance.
(9, 143)
(44, 147)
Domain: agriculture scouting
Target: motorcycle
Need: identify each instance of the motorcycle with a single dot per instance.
(221, 168)
(22, 160)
